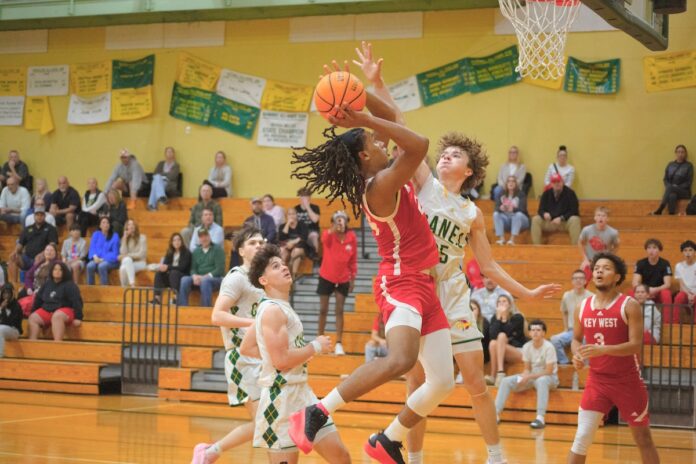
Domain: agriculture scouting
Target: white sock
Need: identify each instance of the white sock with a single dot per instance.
(396, 431)
(332, 401)
(213, 450)
(415, 457)
(495, 453)
(540, 418)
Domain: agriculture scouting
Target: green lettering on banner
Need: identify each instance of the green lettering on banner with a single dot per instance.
(235, 117)
(191, 104)
(133, 74)
(492, 71)
(442, 83)
(599, 78)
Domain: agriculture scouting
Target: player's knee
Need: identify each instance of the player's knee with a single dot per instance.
(413, 381)
(643, 437)
(474, 382)
(588, 422)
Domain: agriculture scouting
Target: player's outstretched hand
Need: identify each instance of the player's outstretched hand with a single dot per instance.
(336, 68)
(325, 343)
(578, 362)
(546, 291)
(348, 118)
(371, 69)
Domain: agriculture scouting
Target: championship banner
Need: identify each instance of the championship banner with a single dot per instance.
(442, 83)
(133, 74)
(11, 111)
(405, 94)
(37, 115)
(90, 78)
(234, 117)
(191, 104)
(13, 81)
(670, 71)
(194, 72)
(241, 88)
(282, 96)
(493, 71)
(129, 104)
(598, 78)
(94, 109)
(47, 80)
(282, 130)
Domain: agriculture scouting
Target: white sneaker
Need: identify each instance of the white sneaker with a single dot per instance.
(500, 242)
(459, 378)
(338, 350)
(511, 242)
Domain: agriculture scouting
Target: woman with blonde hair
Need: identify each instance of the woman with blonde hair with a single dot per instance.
(220, 176)
(133, 253)
(115, 210)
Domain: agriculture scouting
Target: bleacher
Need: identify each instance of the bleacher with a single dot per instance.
(88, 361)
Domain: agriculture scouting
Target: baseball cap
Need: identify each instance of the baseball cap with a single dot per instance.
(40, 209)
(256, 199)
(203, 231)
(556, 178)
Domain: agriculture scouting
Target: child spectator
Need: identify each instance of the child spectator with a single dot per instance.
(37, 275)
(513, 168)
(133, 253)
(571, 300)
(93, 202)
(596, 238)
(10, 316)
(74, 252)
(15, 201)
(507, 338)
(685, 273)
(115, 211)
(652, 319)
(65, 203)
(103, 252)
(487, 297)
(273, 210)
(293, 242)
(656, 273)
(376, 346)
(57, 305)
(679, 175)
(164, 180)
(561, 168)
(205, 200)
(32, 241)
(309, 214)
(216, 232)
(558, 210)
(127, 177)
(207, 270)
(15, 168)
(510, 212)
(220, 176)
(175, 265)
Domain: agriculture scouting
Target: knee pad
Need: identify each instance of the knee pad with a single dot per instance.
(588, 423)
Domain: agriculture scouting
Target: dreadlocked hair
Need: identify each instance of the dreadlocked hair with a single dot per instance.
(478, 159)
(333, 168)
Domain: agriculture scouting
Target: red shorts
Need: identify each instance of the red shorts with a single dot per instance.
(413, 292)
(46, 316)
(631, 398)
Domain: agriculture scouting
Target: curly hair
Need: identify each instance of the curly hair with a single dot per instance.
(333, 167)
(478, 159)
(619, 264)
(260, 263)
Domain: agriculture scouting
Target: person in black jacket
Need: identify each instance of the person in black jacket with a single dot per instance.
(558, 210)
(679, 174)
(57, 305)
(115, 210)
(175, 265)
(10, 317)
(507, 338)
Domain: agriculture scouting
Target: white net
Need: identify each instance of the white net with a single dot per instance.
(541, 27)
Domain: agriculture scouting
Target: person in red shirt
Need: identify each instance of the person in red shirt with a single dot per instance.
(339, 266)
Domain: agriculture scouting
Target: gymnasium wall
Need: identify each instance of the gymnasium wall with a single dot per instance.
(619, 144)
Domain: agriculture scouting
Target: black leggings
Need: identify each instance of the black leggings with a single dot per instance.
(669, 199)
(168, 279)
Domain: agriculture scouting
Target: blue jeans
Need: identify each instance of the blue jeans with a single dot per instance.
(207, 287)
(103, 268)
(560, 341)
(12, 218)
(157, 189)
(542, 385)
(514, 222)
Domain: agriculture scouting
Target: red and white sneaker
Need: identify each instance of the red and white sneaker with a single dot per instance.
(383, 450)
(304, 425)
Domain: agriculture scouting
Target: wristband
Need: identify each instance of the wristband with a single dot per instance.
(316, 345)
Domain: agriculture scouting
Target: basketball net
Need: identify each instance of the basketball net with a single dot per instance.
(541, 27)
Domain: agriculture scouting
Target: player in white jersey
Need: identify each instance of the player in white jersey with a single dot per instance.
(234, 311)
(278, 340)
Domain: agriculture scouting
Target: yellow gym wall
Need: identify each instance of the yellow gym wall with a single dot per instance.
(618, 144)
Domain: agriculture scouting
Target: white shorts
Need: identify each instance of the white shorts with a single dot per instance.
(273, 414)
(454, 296)
(242, 374)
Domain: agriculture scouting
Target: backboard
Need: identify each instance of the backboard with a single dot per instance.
(636, 18)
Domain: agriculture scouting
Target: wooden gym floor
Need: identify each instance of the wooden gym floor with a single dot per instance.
(58, 428)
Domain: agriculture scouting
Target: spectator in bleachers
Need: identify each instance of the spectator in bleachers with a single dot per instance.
(207, 270)
(376, 346)
(175, 265)
(275, 211)
(507, 332)
(293, 242)
(596, 238)
(14, 167)
(133, 253)
(261, 220)
(57, 305)
(31, 242)
(309, 214)
(571, 299)
(217, 233)
(48, 217)
(685, 273)
(656, 273)
(205, 200)
(220, 176)
(540, 372)
(37, 275)
(115, 210)
(484, 327)
(65, 203)
(561, 168)
(14, 202)
(41, 192)
(103, 252)
(513, 168)
(510, 212)
(652, 319)
(93, 203)
(10, 317)
(487, 297)
(74, 252)
(679, 174)
(558, 210)
(127, 177)
(164, 180)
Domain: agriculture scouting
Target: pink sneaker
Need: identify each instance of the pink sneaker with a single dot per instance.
(304, 425)
(199, 456)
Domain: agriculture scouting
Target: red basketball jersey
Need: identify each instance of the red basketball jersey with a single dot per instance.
(404, 239)
(608, 326)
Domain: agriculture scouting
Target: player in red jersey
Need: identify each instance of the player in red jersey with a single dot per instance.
(612, 324)
(354, 165)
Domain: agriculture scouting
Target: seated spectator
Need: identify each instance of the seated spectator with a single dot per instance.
(217, 233)
(261, 220)
(10, 317)
(14, 202)
(207, 270)
(103, 252)
(205, 200)
(127, 177)
(115, 210)
(16, 168)
(484, 327)
(513, 168)
(309, 214)
(175, 265)
(220, 176)
(74, 252)
(164, 180)
(487, 297)
(41, 192)
(597, 238)
(540, 372)
(293, 242)
(510, 212)
(685, 273)
(32, 241)
(473, 273)
(679, 174)
(48, 217)
(37, 275)
(65, 203)
(133, 253)
(652, 319)
(376, 346)
(656, 273)
(561, 168)
(93, 203)
(57, 305)
(571, 300)
(558, 210)
(507, 339)
(273, 210)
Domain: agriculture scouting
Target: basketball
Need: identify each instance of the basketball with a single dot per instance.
(338, 88)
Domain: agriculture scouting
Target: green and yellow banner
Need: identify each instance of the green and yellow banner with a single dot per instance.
(597, 78)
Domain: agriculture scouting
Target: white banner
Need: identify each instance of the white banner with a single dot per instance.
(405, 94)
(45, 81)
(11, 111)
(90, 110)
(241, 88)
(278, 129)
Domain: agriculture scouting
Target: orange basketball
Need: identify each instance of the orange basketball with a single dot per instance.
(338, 88)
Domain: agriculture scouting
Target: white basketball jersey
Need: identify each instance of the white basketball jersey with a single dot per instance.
(236, 286)
(450, 217)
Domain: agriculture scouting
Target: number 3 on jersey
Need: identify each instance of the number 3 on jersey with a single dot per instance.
(599, 339)
(444, 257)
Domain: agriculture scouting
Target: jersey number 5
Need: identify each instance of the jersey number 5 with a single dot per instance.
(599, 339)
(443, 256)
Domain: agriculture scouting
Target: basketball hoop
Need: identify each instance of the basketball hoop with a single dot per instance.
(541, 27)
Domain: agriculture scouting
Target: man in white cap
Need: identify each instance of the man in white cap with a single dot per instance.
(127, 177)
